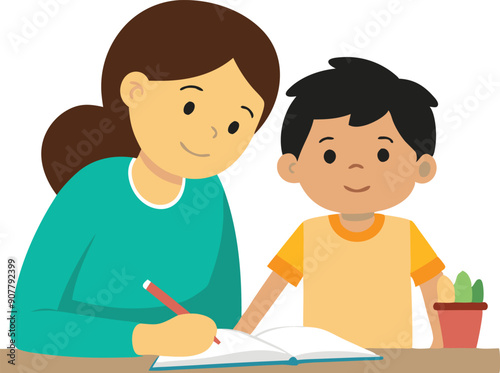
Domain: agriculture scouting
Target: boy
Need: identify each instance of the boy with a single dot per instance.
(357, 139)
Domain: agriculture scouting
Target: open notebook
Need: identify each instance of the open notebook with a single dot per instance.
(281, 346)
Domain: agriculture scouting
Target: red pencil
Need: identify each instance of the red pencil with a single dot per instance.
(167, 300)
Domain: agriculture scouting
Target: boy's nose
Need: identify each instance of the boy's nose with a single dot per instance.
(354, 165)
(215, 132)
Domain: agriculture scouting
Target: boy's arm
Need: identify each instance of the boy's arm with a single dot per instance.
(429, 292)
(262, 302)
(426, 269)
(287, 268)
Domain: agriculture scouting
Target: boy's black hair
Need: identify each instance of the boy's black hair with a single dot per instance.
(366, 91)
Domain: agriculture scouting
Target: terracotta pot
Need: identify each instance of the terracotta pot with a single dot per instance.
(460, 323)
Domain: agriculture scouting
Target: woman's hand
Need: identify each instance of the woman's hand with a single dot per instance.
(183, 335)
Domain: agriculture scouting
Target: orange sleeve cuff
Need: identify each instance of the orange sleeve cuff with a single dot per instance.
(286, 270)
(428, 271)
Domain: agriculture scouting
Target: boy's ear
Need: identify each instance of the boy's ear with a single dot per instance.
(287, 168)
(133, 88)
(426, 169)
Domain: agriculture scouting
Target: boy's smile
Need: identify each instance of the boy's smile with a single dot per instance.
(357, 190)
(355, 169)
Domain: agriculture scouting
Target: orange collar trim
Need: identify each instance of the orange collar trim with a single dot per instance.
(356, 236)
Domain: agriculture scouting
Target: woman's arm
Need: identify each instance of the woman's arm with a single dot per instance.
(221, 299)
(50, 322)
(52, 262)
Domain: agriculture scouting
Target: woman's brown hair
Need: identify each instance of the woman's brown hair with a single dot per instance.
(169, 41)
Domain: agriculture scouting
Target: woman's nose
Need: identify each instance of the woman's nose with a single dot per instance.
(215, 132)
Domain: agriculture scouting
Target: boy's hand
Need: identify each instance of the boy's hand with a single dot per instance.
(264, 299)
(430, 294)
(242, 326)
(437, 343)
(183, 335)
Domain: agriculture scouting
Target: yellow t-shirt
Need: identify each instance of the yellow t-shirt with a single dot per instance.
(357, 284)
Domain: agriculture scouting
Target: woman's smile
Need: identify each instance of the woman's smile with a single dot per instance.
(193, 153)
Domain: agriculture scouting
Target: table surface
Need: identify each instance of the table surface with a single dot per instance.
(395, 360)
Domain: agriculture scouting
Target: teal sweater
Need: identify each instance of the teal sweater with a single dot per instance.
(80, 288)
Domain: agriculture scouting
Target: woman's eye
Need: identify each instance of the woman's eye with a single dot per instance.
(383, 155)
(233, 127)
(189, 108)
(329, 156)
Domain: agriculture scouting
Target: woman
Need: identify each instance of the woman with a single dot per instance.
(185, 86)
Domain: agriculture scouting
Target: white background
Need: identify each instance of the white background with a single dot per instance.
(450, 47)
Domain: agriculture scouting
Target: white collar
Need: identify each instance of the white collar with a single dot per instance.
(144, 200)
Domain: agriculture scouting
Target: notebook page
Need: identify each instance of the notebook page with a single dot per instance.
(312, 343)
(235, 348)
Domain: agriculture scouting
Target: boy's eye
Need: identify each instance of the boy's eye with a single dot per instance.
(233, 127)
(189, 108)
(329, 156)
(383, 155)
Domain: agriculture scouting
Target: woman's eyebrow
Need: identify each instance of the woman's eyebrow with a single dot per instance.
(385, 138)
(250, 111)
(325, 138)
(192, 86)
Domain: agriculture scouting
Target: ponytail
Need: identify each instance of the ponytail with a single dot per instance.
(82, 135)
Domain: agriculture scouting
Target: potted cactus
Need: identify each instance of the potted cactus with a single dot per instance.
(460, 308)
